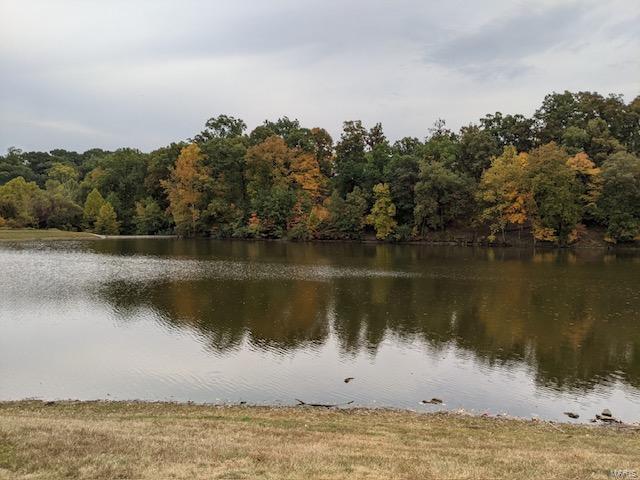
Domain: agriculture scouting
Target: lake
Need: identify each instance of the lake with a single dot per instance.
(528, 333)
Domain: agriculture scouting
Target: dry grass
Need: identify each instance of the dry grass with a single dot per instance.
(28, 234)
(157, 441)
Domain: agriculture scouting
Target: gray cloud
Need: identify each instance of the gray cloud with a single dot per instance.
(501, 46)
(84, 73)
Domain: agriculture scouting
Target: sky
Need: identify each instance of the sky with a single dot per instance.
(79, 74)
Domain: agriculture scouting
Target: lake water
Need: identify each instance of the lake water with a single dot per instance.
(490, 330)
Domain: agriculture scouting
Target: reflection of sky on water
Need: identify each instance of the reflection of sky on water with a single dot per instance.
(73, 327)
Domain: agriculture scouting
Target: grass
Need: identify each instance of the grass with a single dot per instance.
(105, 440)
(28, 234)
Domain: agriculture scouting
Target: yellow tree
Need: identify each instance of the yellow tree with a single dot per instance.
(107, 221)
(92, 206)
(306, 173)
(502, 191)
(310, 184)
(383, 212)
(271, 198)
(555, 207)
(590, 177)
(185, 187)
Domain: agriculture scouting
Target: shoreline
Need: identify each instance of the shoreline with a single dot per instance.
(347, 407)
(33, 235)
(119, 439)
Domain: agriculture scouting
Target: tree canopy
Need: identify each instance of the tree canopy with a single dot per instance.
(571, 166)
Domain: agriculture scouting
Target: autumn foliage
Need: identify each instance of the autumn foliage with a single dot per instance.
(570, 168)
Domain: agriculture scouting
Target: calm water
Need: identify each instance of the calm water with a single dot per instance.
(487, 330)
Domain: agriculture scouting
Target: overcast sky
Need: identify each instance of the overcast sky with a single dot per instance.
(78, 74)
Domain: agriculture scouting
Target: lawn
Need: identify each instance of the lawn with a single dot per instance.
(28, 234)
(107, 440)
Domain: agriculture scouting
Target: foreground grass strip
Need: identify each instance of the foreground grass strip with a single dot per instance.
(107, 440)
(27, 235)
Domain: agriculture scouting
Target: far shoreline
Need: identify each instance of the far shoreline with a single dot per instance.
(33, 235)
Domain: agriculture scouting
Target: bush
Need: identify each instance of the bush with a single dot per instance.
(403, 233)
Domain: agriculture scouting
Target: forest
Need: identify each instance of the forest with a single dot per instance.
(572, 167)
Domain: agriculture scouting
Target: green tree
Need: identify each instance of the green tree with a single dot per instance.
(12, 165)
(63, 179)
(555, 193)
(107, 221)
(619, 203)
(401, 173)
(377, 156)
(383, 212)
(347, 215)
(269, 185)
(226, 193)
(510, 130)
(222, 126)
(557, 112)
(59, 211)
(477, 148)
(323, 150)
(21, 203)
(159, 165)
(350, 161)
(408, 146)
(442, 145)
(92, 206)
(441, 196)
(122, 175)
(149, 218)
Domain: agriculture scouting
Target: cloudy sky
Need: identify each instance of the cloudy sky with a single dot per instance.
(78, 74)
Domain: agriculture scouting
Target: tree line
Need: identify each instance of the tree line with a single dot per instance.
(574, 164)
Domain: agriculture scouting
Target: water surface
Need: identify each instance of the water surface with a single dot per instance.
(515, 331)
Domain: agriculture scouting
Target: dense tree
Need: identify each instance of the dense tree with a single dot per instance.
(620, 199)
(20, 203)
(63, 180)
(555, 194)
(149, 218)
(107, 222)
(383, 212)
(222, 126)
(92, 206)
(347, 216)
(570, 166)
(271, 198)
(184, 188)
(590, 180)
(402, 175)
(510, 130)
(408, 146)
(503, 193)
(59, 211)
(226, 192)
(323, 150)
(350, 160)
(441, 196)
(442, 145)
(159, 165)
(477, 148)
(558, 112)
(120, 177)
(13, 166)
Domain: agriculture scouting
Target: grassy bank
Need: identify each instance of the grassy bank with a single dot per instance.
(153, 440)
(28, 234)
